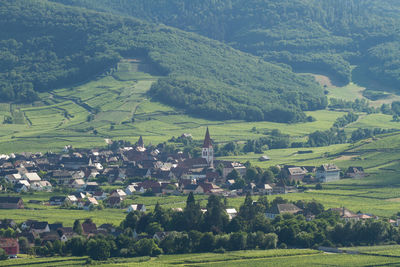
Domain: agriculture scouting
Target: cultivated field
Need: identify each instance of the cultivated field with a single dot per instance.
(277, 257)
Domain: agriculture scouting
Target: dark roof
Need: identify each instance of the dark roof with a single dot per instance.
(55, 226)
(57, 199)
(114, 200)
(39, 225)
(10, 199)
(288, 208)
(355, 170)
(207, 140)
(92, 188)
(89, 227)
(190, 187)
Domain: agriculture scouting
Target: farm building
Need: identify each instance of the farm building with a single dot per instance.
(328, 173)
(11, 203)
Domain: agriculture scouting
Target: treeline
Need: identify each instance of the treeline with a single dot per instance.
(47, 45)
(317, 36)
(358, 105)
(191, 230)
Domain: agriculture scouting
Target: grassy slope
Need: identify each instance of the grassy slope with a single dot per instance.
(61, 119)
(292, 257)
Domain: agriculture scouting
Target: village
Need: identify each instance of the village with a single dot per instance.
(77, 175)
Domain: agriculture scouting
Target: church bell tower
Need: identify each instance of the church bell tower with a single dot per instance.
(207, 151)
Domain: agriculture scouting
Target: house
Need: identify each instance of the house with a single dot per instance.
(31, 177)
(99, 195)
(160, 235)
(118, 193)
(280, 209)
(66, 233)
(90, 202)
(265, 189)
(192, 188)
(39, 227)
(13, 178)
(77, 183)
(114, 201)
(230, 166)
(11, 203)
(62, 176)
(130, 189)
(92, 188)
(57, 200)
(10, 246)
(346, 214)
(295, 173)
(208, 188)
(355, 172)
(21, 187)
(71, 199)
(89, 227)
(55, 226)
(232, 213)
(138, 207)
(41, 186)
(328, 173)
(264, 158)
(107, 227)
(49, 236)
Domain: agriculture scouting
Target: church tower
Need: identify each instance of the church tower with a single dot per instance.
(207, 151)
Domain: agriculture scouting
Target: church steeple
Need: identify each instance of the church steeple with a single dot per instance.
(140, 142)
(207, 151)
(207, 140)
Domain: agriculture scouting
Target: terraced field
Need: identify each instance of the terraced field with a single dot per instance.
(115, 106)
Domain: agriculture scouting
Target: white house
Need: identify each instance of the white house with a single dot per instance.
(138, 207)
(232, 212)
(31, 177)
(41, 186)
(130, 189)
(328, 172)
(13, 178)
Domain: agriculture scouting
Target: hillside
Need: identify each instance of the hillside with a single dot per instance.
(310, 35)
(48, 45)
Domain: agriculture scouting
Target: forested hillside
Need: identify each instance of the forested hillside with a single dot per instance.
(47, 45)
(311, 35)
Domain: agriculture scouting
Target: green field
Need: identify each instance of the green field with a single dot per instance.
(87, 114)
(285, 257)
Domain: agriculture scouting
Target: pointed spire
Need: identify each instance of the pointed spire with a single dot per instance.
(207, 140)
(140, 142)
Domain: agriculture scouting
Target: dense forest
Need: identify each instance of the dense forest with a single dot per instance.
(46, 45)
(325, 36)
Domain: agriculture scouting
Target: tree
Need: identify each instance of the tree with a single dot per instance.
(215, 218)
(78, 227)
(147, 247)
(77, 246)
(98, 249)
(23, 244)
(233, 175)
(207, 242)
(192, 213)
(237, 241)
(131, 220)
(3, 254)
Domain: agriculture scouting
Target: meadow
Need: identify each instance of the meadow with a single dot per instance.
(276, 257)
